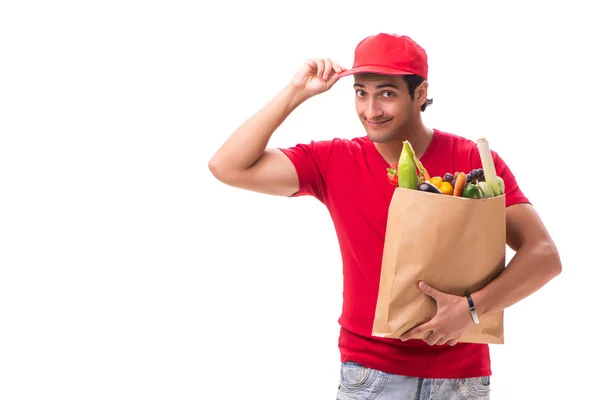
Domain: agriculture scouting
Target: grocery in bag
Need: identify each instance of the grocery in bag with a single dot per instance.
(449, 231)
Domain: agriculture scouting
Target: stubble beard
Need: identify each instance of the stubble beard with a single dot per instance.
(383, 136)
(393, 134)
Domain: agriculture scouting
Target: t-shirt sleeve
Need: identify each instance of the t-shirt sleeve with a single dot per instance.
(512, 191)
(310, 161)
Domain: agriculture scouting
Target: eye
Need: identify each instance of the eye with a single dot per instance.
(388, 94)
(360, 93)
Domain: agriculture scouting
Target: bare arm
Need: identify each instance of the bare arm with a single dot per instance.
(244, 161)
(535, 263)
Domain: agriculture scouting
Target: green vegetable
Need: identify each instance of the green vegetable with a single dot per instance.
(501, 185)
(485, 190)
(471, 191)
(407, 169)
(489, 168)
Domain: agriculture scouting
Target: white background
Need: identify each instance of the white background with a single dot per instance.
(128, 272)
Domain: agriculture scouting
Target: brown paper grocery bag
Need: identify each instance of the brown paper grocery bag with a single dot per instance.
(455, 244)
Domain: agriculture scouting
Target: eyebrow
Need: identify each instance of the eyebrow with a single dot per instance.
(382, 85)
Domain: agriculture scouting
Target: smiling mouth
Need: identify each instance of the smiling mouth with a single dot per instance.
(378, 123)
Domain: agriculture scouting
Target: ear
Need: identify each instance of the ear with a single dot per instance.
(421, 93)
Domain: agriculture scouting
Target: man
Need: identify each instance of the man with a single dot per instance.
(349, 178)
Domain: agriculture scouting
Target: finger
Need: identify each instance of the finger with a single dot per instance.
(333, 79)
(430, 291)
(452, 342)
(441, 341)
(415, 332)
(410, 334)
(312, 64)
(338, 68)
(320, 68)
(433, 338)
(327, 70)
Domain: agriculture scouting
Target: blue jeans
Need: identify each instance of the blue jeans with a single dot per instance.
(361, 383)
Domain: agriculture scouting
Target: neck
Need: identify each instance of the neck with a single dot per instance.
(419, 137)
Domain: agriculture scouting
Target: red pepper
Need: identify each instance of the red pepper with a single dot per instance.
(392, 174)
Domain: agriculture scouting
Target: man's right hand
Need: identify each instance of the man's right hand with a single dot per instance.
(316, 76)
(245, 162)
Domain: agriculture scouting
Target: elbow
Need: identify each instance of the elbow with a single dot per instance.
(216, 169)
(549, 251)
(221, 172)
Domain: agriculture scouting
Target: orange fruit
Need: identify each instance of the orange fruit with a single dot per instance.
(447, 188)
(436, 181)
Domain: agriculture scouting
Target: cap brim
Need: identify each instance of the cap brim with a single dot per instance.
(374, 69)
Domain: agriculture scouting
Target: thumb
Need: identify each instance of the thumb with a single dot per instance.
(332, 79)
(428, 290)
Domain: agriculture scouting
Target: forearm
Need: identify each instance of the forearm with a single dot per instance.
(531, 268)
(248, 143)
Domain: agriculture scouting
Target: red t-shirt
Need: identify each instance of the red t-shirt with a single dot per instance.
(349, 177)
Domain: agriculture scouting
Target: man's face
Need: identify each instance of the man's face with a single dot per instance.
(384, 105)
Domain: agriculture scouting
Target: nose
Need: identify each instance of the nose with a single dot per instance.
(373, 111)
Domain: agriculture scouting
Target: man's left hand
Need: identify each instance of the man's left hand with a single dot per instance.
(451, 320)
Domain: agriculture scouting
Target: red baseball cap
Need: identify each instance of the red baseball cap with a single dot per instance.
(389, 54)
